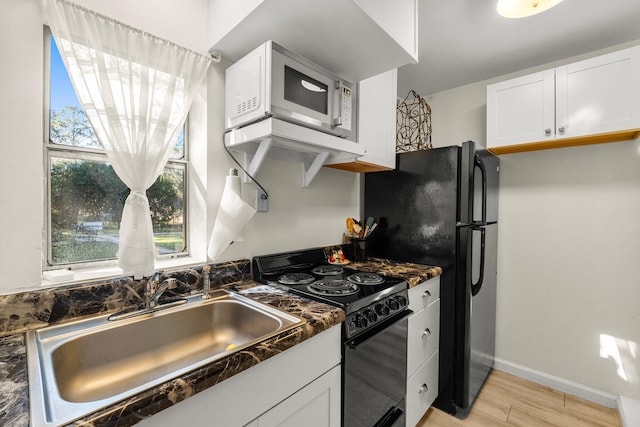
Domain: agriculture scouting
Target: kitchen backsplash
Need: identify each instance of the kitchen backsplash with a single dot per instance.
(34, 309)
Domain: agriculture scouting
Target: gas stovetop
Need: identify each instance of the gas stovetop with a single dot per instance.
(367, 298)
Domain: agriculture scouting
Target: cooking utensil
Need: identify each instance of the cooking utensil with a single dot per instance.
(367, 225)
(357, 229)
(350, 224)
(373, 227)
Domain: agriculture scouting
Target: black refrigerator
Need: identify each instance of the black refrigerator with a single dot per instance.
(440, 207)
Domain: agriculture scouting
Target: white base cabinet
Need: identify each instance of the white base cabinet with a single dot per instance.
(301, 382)
(423, 343)
(316, 405)
(590, 101)
(422, 389)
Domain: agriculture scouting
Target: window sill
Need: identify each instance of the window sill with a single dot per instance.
(113, 271)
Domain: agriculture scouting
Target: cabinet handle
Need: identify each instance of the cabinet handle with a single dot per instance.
(423, 389)
(547, 131)
(426, 294)
(425, 333)
(561, 129)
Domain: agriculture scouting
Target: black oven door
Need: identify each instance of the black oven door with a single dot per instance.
(375, 376)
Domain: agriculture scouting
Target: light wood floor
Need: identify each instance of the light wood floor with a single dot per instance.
(506, 400)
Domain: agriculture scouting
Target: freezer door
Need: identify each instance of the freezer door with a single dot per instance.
(415, 207)
(479, 180)
(476, 312)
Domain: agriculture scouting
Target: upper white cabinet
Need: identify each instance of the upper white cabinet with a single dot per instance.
(376, 124)
(591, 101)
(355, 39)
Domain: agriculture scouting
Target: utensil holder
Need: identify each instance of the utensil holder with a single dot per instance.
(359, 249)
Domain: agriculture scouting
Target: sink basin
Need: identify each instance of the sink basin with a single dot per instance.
(79, 367)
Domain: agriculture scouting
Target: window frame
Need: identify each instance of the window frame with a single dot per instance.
(93, 154)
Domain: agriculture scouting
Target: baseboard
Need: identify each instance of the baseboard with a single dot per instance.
(597, 396)
(629, 411)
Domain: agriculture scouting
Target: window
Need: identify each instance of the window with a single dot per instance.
(84, 195)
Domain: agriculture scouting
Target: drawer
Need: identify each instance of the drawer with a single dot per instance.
(422, 390)
(424, 294)
(423, 336)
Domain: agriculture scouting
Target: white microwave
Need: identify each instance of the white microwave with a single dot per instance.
(271, 81)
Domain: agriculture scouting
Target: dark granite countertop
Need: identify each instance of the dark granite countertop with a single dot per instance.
(414, 274)
(37, 309)
(14, 393)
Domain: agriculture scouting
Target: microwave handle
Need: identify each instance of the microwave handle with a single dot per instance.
(337, 121)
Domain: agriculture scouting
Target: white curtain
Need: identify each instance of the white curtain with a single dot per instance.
(136, 90)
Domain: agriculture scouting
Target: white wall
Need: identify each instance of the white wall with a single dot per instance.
(297, 217)
(21, 85)
(569, 241)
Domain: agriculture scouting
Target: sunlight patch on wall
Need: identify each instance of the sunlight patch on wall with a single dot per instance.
(623, 353)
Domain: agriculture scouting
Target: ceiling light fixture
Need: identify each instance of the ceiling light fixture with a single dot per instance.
(524, 8)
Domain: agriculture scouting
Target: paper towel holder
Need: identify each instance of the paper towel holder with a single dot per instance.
(262, 203)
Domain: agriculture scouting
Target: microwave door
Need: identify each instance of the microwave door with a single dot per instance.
(308, 95)
(305, 91)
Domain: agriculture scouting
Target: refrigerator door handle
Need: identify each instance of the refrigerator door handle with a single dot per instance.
(475, 287)
(483, 172)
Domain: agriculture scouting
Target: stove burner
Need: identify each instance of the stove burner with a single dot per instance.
(327, 270)
(296, 279)
(363, 278)
(333, 287)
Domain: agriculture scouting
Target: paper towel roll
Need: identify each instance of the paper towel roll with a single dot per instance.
(233, 214)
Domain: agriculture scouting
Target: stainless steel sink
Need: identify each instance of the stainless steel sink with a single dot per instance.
(77, 368)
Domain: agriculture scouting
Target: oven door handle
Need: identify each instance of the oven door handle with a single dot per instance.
(389, 417)
(353, 343)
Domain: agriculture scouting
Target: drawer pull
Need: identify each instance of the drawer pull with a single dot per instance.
(425, 333)
(423, 389)
(426, 294)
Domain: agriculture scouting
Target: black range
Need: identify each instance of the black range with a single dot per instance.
(367, 298)
(374, 350)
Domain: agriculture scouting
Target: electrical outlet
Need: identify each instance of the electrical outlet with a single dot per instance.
(262, 203)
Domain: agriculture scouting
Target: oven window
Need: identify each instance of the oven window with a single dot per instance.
(303, 90)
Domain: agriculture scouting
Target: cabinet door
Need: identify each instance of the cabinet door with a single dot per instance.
(377, 126)
(316, 405)
(521, 110)
(422, 390)
(423, 336)
(424, 294)
(377, 97)
(598, 95)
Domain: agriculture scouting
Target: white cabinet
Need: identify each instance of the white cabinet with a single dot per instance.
(316, 405)
(422, 389)
(355, 39)
(521, 110)
(376, 124)
(590, 101)
(311, 368)
(423, 343)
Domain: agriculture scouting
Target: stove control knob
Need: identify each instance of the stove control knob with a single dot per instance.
(360, 321)
(370, 316)
(401, 300)
(393, 304)
(381, 309)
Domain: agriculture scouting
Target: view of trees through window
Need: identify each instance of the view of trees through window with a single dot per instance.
(86, 197)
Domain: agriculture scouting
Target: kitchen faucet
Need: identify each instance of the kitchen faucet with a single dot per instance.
(206, 281)
(155, 289)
